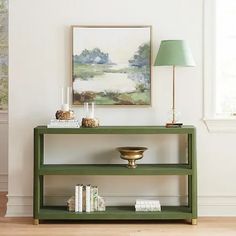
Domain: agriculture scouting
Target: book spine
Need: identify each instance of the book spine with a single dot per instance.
(80, 208)
(76, 198)
(91, 200)
(84, 199)
(88, 194)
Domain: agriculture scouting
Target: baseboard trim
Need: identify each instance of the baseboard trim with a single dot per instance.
(19, 206)
(217, 206)
(207, 205)
(3, 183)
(3, 117)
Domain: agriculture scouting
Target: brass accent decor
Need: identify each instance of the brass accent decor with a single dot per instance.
(131, 154)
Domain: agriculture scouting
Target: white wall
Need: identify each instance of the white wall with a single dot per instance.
(40, 52)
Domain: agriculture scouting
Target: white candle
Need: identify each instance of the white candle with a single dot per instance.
(62, 96)
(68, 95)
(92, 110)
(86, 109)
(65, 107)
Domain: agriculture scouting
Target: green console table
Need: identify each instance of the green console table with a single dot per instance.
(43, 212)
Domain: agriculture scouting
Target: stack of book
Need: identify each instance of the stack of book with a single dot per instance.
(86, 199)
(54, 123)
(147, 205)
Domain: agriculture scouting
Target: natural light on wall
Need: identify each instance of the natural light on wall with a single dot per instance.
(225, 103)
(219, 58)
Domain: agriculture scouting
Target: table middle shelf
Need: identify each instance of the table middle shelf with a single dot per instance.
(114, 169)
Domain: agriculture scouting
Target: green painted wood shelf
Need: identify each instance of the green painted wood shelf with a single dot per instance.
(42, 212)
(115, 169)
(116, 213)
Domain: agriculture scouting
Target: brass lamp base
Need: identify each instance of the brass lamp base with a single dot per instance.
(174, 125)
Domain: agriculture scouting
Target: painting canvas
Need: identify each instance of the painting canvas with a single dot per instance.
(112, 65)
(3, 55)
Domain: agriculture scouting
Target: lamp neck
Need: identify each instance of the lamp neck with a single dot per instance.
(173, 107)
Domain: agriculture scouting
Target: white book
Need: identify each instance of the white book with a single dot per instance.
(84, 199)
(63, 121)
(147, 208)
(91, 199)
(143, 201)
(80, 200)
(147, 205)
(78, 197)
(63, 124)
(88, 195)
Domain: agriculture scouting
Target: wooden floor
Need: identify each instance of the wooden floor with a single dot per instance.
(24, 227)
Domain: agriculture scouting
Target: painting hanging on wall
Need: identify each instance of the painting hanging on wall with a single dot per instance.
(111, 65)
(3, 55)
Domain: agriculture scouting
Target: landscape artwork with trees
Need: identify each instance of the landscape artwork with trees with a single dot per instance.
(3, 55)
(112, 65)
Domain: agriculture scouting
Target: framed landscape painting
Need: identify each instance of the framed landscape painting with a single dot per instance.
(111, 65)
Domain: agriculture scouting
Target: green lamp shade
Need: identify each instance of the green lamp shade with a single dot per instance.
(174, 53)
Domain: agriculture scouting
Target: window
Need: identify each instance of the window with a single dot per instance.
(220, 64)
(3, 55)
(225, 57)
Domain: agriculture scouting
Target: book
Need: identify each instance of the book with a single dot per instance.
(78, 197)
(174, 125)
(64, 124)
(86, 199)
(88, 196)
(91, 199)
(147, 205)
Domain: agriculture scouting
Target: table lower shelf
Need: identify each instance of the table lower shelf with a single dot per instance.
(115, 213)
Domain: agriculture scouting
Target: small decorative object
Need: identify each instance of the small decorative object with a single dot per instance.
(174, 53)
(65, 113)
(71, 204)
(101, 204)
(131, 154)
(89, 121)
(113, 67)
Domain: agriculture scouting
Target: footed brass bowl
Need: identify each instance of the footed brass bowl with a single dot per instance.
(131, 154)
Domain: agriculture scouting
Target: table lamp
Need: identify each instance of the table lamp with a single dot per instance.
(174, 53)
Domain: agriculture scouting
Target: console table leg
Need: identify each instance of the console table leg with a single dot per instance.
(194, 221)
(36, 221)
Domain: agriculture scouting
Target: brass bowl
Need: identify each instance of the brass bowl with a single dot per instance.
(131, 154)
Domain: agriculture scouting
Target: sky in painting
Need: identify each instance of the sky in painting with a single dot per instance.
(120, 43)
